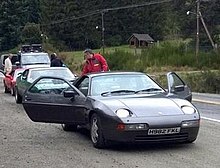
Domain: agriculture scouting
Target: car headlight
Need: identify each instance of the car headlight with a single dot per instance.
(188, 109)
(123, 113)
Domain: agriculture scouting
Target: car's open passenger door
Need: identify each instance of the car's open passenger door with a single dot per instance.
(178, 87)
(54, 100)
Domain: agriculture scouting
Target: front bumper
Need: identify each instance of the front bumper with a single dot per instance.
(187, 133)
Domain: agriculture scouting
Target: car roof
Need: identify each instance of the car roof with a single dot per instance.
(33, 53)
(114, 73)
(20, 69)
(47, 68)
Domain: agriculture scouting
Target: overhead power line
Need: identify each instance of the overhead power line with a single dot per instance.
(99, 11)
(136, 6)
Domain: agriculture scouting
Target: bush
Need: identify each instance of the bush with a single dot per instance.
(204, 82)
(167, 56)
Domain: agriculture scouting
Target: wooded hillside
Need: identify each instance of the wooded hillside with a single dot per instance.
(76, 24)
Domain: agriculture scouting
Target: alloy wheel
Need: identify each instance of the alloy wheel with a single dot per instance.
(94, 130)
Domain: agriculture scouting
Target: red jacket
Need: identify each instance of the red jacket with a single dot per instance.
(95, 64)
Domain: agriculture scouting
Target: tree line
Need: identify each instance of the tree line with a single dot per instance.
(72, 24)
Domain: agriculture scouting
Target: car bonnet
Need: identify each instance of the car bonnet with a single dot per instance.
(145, 106)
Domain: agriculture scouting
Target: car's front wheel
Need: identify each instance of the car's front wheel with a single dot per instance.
(18, 97)
(96, 133)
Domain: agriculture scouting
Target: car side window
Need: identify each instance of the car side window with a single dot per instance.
(175, 81)
(84, 86)
(50, 86)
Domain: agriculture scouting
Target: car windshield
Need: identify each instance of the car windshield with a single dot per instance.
(38, 58)
(63, 73)
(123, 84)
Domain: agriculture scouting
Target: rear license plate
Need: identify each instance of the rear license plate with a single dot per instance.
(164, 131)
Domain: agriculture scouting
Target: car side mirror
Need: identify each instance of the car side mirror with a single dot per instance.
(19, 73)
(179, 88)
(69, 94)
(24, 77)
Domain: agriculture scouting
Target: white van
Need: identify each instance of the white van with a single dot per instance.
(32, 56)
(34, 59)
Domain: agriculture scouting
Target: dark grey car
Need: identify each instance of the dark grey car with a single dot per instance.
(116, 106)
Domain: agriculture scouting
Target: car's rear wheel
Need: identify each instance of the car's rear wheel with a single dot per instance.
(69, 127)
(96, 133)
(6, 89)
(18, 97)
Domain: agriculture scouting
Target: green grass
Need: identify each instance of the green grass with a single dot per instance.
(172, 55)
(74, 59)
(159, 59)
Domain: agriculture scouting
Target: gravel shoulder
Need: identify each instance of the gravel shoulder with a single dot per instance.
(26, 144)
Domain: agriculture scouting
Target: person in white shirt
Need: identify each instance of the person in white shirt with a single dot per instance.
(8, 64)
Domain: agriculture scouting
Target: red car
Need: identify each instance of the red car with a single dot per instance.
(10, 81)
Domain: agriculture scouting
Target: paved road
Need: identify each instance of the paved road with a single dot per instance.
(207, 98)
(208, 105)
(25, 144)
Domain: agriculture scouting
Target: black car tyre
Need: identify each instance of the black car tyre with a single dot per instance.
(69, 127)
(6, 89)
(97, 137)
(18, 97)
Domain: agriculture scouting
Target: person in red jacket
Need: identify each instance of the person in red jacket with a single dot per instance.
(94, 62)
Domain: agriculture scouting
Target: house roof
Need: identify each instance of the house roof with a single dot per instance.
(142, 37)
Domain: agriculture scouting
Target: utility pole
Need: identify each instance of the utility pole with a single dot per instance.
(197, 29)
(206, 30)
(199, 16)
(103, 33)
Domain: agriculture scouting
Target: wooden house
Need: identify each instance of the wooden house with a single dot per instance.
(140, 40)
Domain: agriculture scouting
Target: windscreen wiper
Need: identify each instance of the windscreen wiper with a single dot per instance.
(148, 90)
(35, 63)
(117, 91)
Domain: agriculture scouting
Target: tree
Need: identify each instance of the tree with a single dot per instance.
(14, 14)
(9, 24)
(31, 34)
(71, 24)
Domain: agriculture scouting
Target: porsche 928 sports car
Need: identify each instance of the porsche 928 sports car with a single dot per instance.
(116, 106)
